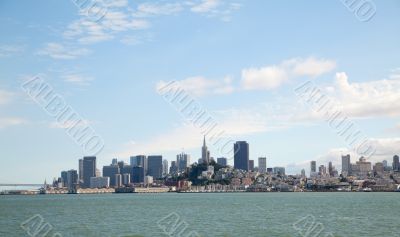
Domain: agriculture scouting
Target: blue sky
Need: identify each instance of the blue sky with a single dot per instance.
(240, 60)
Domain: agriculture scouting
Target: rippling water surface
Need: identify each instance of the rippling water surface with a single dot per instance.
(225, 214)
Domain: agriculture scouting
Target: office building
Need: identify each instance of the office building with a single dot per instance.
(89, 170)
(251, 165)
(137, 175)
(241, 155)
(270, 170)
(182, 161)
(148, 180)
(140, 160)
(64, 178)
(173, 169)
(165, 168)
(99, 182)
(154, 166)
(205, 153)
(72, 177)
(313, 166)
(222, 161)
(110, 171)
(379, 168)
(126, 179)
(80, 170)
(346, 165)
(396, 164)
(262, 165)
(279, 171)
(118, 180)
(114, 161)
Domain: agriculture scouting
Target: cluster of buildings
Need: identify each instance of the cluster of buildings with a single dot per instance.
(144, 172)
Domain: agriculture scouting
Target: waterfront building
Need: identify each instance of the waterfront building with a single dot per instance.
(251, 165)
(346, 165)
(222, 161)
(126, 179)
(72, 179)
(148, 180)
(99, 182)
(279, 170)
(262, 165)
(362, 167)
(396, 164)
(89, 170)
(165, 168)
(205, 153)
(241, 155)
(110, 171)
(182, 161)
(174, 168)
(313, 166)
(138, 174)
(379, 168)
(80, 170)
(64, 178)
(118, 180)
(114, 161)
(155, 167)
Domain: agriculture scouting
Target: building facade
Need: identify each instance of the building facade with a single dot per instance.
(241, 155)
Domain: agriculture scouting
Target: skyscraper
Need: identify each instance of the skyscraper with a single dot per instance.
(80, 170)
(241, 155)
(313, 166)
(72, 177)
(64, 178)
(141, 160)
(262, 165)
(155, 167)
(251, 165)
(165, 167)
(173, 169)
(205, 153)
(396, 165)
(346, 166)
(222, 161)
(182, 161)
(89, 170)
(110, 171)
(137, 175)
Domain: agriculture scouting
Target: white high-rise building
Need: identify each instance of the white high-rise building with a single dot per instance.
(205, 153)
(262, 165)
(165, 168)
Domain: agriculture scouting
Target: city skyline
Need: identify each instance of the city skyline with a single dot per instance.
(240, 61)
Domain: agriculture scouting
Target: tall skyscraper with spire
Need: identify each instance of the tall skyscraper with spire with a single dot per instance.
(205, 153)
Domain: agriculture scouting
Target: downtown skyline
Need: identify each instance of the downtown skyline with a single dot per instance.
(231, 57)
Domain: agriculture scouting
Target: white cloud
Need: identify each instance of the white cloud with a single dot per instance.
(76, 78)
(59, 51)
(368, 99)
(70, 123)
(215, 8)
(266, 78)
(272, 77)
(310, 66)
(5, 97)
(200, 86)
(10, 50)
(206, 6)
(149, 9)
(11, 121)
